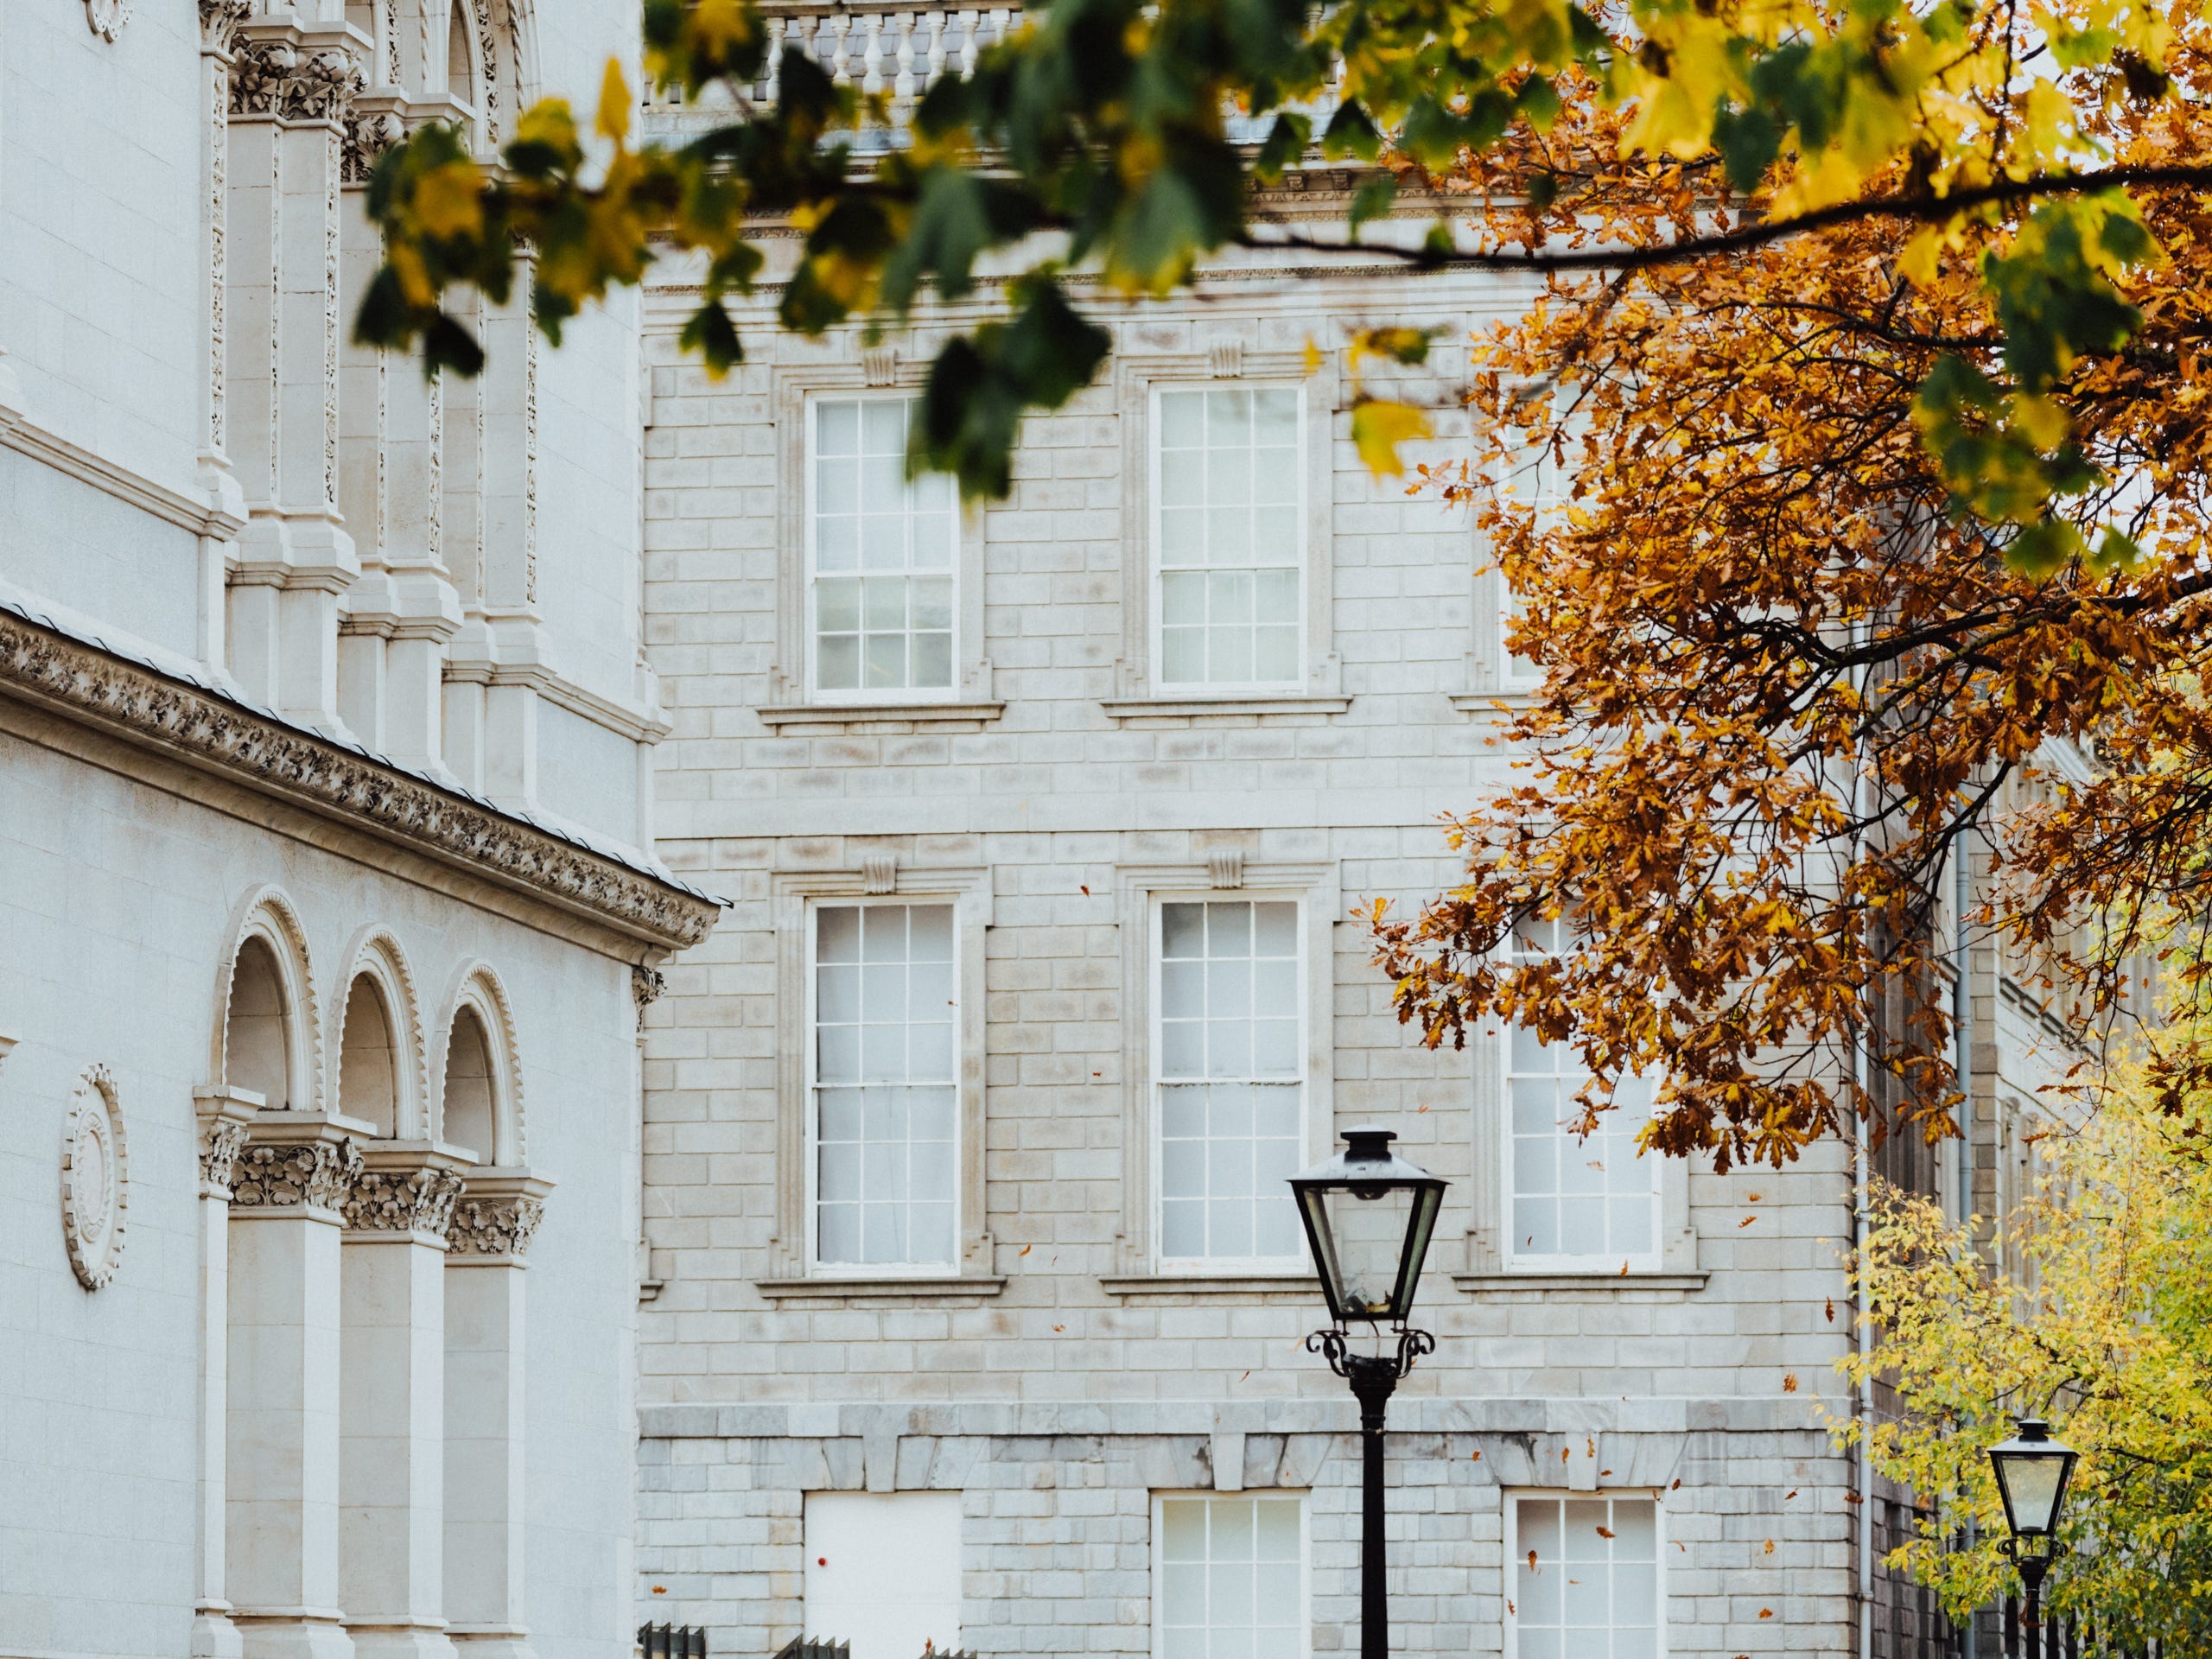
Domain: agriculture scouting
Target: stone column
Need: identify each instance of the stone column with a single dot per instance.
(223, 1115)
(392, 1464)
(290, 94)
(288, 1190)
(500, 657)
(219, 26)
(403, 608)
(488, 1244)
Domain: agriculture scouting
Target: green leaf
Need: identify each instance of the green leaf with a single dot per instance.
(712, 333)
(2043, 549)
(1285, 142)
(1349, 133)
(1372, 199)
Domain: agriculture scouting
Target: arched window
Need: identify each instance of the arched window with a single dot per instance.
(368, 1059)
(471, 1108)
(257, 1027)
(461, 68)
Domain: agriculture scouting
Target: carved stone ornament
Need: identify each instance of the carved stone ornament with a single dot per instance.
(367, 134)
(107, 17)
(95, 1190)
(403, 1201)
(274, 78)
(219, 1155)
(646, 985)
(494, 1226)
(234, 740)
(319, 1174)
(219, 23)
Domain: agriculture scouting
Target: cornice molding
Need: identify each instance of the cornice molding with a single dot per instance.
(214, 732)
(111, 478)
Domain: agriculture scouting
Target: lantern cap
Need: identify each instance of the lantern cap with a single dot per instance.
(1366, 1157)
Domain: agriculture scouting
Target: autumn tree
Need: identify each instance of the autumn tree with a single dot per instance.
(1869, 333)
(2104, 1324)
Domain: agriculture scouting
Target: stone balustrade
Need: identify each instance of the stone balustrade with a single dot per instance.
(897, 48)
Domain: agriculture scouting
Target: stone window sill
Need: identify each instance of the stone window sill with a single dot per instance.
(1225, 1284)
(1485, 702)
(909, 713)
(1478, 1284)
(1209, 707)
(828, 1289)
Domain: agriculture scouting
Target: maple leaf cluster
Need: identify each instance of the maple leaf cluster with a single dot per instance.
(1795, 657)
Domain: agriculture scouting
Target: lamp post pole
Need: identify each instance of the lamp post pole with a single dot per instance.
(1369, 1215)
(1374, 1379)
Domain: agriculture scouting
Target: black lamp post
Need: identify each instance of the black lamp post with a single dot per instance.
(1369, 1215)
(2032, 1471)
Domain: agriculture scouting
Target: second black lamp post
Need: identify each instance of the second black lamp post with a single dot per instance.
(1369, 1216)
(2032, 1471)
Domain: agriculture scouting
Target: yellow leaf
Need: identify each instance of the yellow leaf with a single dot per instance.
(549, 122)
(720, 27)
(613, 103)
(449, 200)
(2043, 421)
(1378, 427)
(1312, 356)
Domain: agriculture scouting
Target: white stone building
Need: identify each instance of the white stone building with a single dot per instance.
(324, 895)
(974, 1305)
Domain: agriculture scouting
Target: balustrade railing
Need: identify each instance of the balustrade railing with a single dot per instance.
(898, 48)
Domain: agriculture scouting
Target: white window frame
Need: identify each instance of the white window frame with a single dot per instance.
(1141, 890)
(883, 373)
(815, 1264)
(1225, 365)
(1514, 1553)
(1493, 1264)
(1493, 667)
(1295, 1260)
(1156, 570)
(1305, 1623)
(793, 895)
(817, 692)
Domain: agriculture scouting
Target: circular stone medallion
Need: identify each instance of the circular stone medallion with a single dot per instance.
(107, 17)
(94, 1176)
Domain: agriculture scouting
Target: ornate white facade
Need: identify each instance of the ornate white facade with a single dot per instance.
(327, 902)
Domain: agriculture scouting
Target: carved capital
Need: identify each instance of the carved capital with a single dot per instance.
(495, 1226)
(220, 1149)
(370, 129)
(319, 1174)
(403, 1201)
(219, 24)
(274, 80)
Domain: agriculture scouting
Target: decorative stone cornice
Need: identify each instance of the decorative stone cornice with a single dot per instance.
(213, 731)
(275, 1175)
(420, 1200)
(219, 1148)
(273, 78)
(219, 24)
(495, 1226)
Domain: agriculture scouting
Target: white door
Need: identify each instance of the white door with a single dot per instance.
(883, 1571)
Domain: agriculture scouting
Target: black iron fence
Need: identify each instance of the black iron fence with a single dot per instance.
(672, 1642)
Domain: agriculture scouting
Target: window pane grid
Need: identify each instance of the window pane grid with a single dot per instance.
(1590, 1200)
(1229, 1080)
(1231, 1582)
(1230, 545)
(885, 1083)
(1586, 1578)
(882, 553)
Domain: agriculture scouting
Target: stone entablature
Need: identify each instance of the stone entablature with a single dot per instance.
(207, 728)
